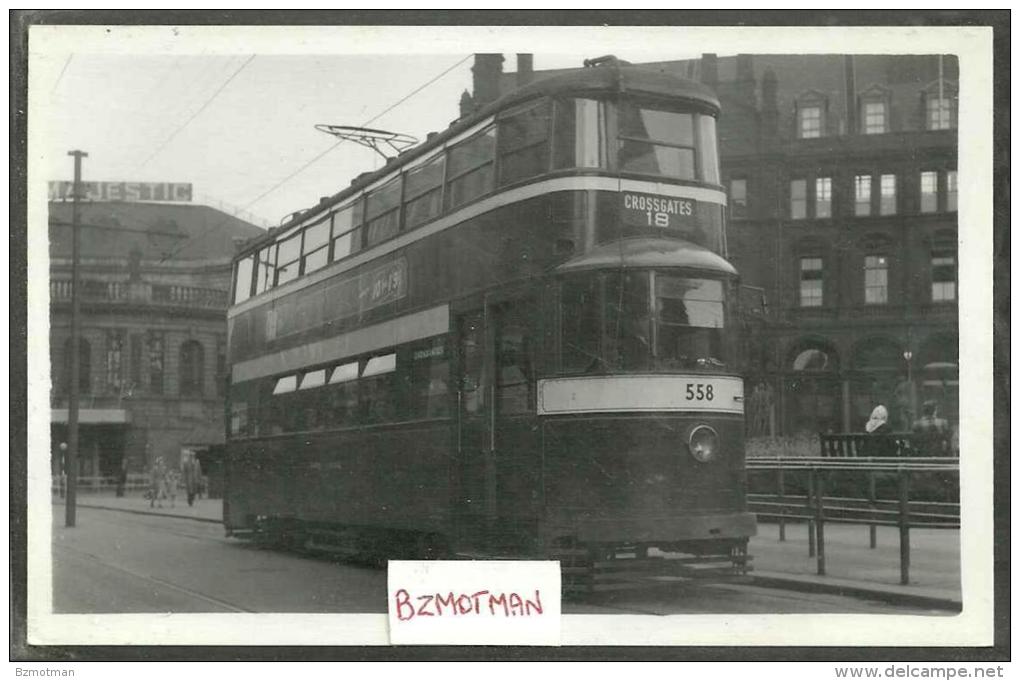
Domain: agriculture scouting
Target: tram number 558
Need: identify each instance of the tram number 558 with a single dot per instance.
(700, 391)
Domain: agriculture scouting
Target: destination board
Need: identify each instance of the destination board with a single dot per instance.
(650, 210)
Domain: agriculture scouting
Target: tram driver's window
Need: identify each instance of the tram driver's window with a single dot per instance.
(580, 322)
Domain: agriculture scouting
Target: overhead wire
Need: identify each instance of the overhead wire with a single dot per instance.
(67, 63)
(197, 113)
(315, 159)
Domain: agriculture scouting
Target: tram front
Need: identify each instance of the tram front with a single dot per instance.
(642, 415)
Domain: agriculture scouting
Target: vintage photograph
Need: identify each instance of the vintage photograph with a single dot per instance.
(679, 309)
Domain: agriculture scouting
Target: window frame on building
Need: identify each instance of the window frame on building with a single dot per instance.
(888, 202)
(944, 278)
(942, 116)
(739, 205)
(952, 191)
(814, 295)
(191, 368)
(862, 202)
(874, 109)
(928, 202)
(871, 266)
(798, 198)
(116, 342)
(818, 183)
(814, 126)
(155, 362)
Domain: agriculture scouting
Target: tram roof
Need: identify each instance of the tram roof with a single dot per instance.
(646, 252)
(606, 78)
(613, 77)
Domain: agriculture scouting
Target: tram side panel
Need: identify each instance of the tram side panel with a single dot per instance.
(394, 477)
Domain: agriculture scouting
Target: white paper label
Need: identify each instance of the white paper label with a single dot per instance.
(474, 602)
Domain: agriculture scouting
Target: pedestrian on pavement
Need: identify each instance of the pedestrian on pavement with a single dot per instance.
(931, 433)
(157, 482)
(880, 442)
(191, 475)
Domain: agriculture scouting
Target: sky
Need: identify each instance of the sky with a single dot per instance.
(238, 124)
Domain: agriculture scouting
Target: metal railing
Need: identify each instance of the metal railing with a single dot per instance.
(816, 508)
(161, 294)
(100, 484)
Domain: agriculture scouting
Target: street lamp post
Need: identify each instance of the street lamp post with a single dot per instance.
(71, 460)
(908, 356)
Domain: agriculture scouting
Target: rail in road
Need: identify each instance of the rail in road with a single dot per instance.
(814, 505)
(119, 562)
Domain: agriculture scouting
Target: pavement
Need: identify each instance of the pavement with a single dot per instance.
(851, 567)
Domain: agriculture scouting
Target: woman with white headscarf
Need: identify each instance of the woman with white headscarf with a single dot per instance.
(879, 421)
(878, 428)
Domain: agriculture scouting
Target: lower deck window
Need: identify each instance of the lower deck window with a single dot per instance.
(411, 382)
(642, 321)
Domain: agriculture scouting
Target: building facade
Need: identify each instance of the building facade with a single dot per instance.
(842, 181)
(154, 281)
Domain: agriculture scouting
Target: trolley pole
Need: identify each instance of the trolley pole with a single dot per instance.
(71, 461)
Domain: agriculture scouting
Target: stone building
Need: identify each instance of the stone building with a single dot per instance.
(842, 183)
(154, 280)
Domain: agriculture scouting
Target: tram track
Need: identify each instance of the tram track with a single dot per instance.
(651, 599)
(183, 590)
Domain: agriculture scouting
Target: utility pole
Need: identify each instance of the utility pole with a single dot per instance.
(71, 461)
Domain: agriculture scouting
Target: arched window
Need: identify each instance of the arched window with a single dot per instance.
(812, 388)
(84, 367)
(192, 358)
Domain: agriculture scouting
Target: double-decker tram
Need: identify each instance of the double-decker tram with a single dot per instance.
(518, 339)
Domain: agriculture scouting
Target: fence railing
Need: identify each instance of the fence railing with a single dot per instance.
(801, 486)
(162, 294)
(136, 482)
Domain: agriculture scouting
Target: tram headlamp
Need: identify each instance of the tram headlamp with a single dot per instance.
(704, 443)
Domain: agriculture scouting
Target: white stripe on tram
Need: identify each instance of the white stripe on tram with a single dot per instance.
(406, 329)
(558, 184)
(641, 393)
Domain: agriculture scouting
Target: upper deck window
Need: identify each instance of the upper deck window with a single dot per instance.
(287, 259)
(656, 142)
(265, 269)
(382, 211)
(708, 149)
(578, 137)
(242, 282)
(470, 171)
(524, 142)
(423, 192)
(346, 235)
(315, 248)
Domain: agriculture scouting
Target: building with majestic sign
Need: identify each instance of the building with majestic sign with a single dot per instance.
(842, 186)
(154, 280)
